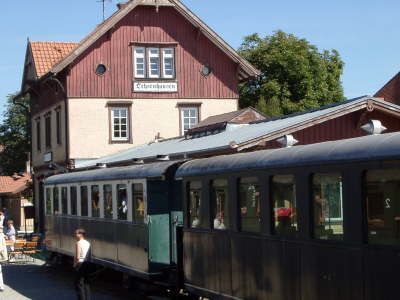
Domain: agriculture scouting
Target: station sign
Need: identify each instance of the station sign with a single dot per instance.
(155, 87)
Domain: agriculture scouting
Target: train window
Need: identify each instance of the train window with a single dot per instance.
(194, 203)
(48, 201)
(74, 200)
(220, 204)
(84, 201)
(249, 196)
(108, 201)
(383, 206)
(122, 198)
(138, 202)
(95, 201)
(284, 203)
(56, 208)
(64, 200)
(328, 206)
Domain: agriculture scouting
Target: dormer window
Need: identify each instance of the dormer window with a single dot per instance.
(154, 62)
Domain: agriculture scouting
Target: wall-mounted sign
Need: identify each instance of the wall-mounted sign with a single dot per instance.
(155, 87)
(48, 157)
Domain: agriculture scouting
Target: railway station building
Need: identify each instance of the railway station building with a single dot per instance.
(151, 70)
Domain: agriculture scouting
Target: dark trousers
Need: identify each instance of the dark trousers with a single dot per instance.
(82, 281)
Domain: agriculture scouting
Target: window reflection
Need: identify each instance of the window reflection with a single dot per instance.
(122, 198)
(108, 203)
(250, 204)
(74, 200)
(48, 201)
(56, 209)
(220, 204)
(95, 201)
(383, 206)
(138, 202)
(84, 201)
(328, 216)
(194, 203)
(284, 203)
(64, 200)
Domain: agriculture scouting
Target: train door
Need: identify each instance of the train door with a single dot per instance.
(159, 221)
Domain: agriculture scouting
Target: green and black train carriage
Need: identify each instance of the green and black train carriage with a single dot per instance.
(131, 215)
(309, 222)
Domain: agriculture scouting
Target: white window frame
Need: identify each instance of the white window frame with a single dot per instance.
(182, 111)
(149, 57)
(137, 55)
(113, 137)
(164, 56)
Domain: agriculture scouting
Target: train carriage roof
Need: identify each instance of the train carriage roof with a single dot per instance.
(153, 170)
(374, 147)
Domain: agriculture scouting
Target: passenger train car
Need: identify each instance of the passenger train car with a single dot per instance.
(309, 222)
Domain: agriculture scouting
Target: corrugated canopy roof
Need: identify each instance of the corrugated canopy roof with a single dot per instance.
(241, 136)
(384, 146)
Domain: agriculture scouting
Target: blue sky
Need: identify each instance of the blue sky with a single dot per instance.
(364, 32)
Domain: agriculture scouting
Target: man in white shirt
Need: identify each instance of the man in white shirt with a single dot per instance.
(82, 265)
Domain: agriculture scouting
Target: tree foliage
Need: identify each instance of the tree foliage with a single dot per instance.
(295, 77)
(14, 138)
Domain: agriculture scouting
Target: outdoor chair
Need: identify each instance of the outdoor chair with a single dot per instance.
(17, 253)
(30, 249)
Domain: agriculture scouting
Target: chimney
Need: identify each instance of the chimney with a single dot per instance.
(122, 5)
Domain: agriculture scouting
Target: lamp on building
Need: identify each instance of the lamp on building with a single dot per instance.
(373, 127)
(287, 141)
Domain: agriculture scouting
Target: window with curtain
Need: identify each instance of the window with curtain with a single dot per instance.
(249, 197)
(220, 204)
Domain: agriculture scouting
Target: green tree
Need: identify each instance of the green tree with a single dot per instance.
(14, 139)
(295, 75)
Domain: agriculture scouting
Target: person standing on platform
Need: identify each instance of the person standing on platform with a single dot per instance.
(3, 257)
(82, 265)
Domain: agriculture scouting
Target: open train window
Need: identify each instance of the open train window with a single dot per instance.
(283, 192)
(138, 203)
(48, 201)
(194, 190)
(249, 196)
(108, 201)
(220, 204)
(122, 200)
(84, 201)
(328, 206)
(64, 200)
(74, 200)
(56, 206)
(95, 193)
(382, 200)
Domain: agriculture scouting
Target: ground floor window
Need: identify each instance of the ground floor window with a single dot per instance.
(382, 200)
(328, 206)
(283, 193)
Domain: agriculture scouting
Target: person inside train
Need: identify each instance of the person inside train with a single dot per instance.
(82, 265)
(140, 207)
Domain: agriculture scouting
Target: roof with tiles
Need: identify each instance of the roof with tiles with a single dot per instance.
(47, 54)
(14, 184)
